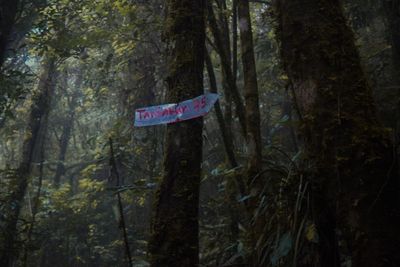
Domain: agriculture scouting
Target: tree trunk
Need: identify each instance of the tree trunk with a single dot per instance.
(254, 146)
(250, 90)
(8, 11)
(226, 137)
(66, 132)
(39, 111)
(355, 179)
(36, 198)
(175, 229)
(224, 54)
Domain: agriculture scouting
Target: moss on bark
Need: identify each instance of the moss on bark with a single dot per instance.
(174, 240)
(355, 182)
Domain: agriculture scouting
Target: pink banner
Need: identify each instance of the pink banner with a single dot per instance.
(170, 113)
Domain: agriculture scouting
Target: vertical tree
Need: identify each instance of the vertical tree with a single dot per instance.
(175, 229)
(254, 145)
(37, 118)
(355, 178)
(250, 89)
(67, 128)
(223, 49)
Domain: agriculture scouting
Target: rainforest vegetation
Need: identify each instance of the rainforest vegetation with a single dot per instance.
(289, 157)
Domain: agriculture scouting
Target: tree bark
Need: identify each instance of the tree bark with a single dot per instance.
(175, 241)
(39, 111)
(355, 179)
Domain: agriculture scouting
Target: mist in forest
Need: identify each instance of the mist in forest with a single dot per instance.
(209, 133)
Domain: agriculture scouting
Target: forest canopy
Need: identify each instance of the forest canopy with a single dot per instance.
(184, 133)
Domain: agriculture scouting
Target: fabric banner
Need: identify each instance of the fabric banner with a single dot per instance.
(170, 113)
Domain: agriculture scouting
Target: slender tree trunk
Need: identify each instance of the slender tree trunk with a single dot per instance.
(8, 11)
(225, 56)
(250, 90)
(36, 198)
(39, 111)
(355, 180)
(254, 145)
(122, 223)
(66, 133)
(240, 186)
(226, 137)
(175, 229)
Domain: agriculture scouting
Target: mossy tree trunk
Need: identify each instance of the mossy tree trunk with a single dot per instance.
(37, 118)
(355, 182)
(175, 241)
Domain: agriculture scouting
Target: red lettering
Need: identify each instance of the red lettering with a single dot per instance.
(196, 104)
(172, 111)
(199, 103)
(140, 112)
(181, 110)
(203, 102)
(165, 112)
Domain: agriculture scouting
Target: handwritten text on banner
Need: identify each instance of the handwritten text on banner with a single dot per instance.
(169, 113)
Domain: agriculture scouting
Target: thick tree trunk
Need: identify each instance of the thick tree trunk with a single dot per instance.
(175, 229)
(39, 111)
(355, 172)
(8, 11)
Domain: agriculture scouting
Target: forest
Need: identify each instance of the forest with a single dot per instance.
(199, 133)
